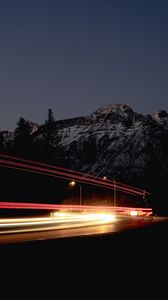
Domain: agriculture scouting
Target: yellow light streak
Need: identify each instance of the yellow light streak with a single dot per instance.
(65, 220)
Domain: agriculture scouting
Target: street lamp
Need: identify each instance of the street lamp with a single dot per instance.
(73, 183)
(115, 189)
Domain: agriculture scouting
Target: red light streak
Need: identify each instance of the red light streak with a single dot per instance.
(49, 170)
(22, 205)
(84, 176)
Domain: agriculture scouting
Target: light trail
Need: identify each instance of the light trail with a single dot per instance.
(61, 177)
(56, 222)
(67, 220)
(63, 224)
(85, 175)
(50, 170)
(77, 208)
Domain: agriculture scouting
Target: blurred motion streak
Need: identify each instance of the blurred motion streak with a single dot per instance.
(50, 170)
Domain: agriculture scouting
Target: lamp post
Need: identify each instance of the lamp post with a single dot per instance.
(114, 192)
(144, 198)
(73, 183)
(80, 193)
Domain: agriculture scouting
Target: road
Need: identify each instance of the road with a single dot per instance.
(124, 257)
(69, 224)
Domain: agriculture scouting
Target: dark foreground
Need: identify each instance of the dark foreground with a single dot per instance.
(128, 265)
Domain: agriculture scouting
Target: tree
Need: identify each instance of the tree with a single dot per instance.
(6, 144)
(2, 142)
(23, 137)
(48, 138)
(51, 118)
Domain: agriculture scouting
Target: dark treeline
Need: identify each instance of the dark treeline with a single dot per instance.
(23, 186)
(26, 143)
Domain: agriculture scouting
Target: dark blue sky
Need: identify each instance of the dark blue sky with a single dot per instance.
(75, 56)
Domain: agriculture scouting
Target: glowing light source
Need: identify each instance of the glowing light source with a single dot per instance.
(107, 217)
(72, 183)
(59, 214)
(133, 213)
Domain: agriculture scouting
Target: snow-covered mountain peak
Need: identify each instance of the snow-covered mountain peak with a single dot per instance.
(114, 112)
(112, 108)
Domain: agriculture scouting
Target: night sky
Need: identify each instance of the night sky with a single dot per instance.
(75, 56)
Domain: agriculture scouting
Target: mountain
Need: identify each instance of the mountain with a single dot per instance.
(116, 142)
